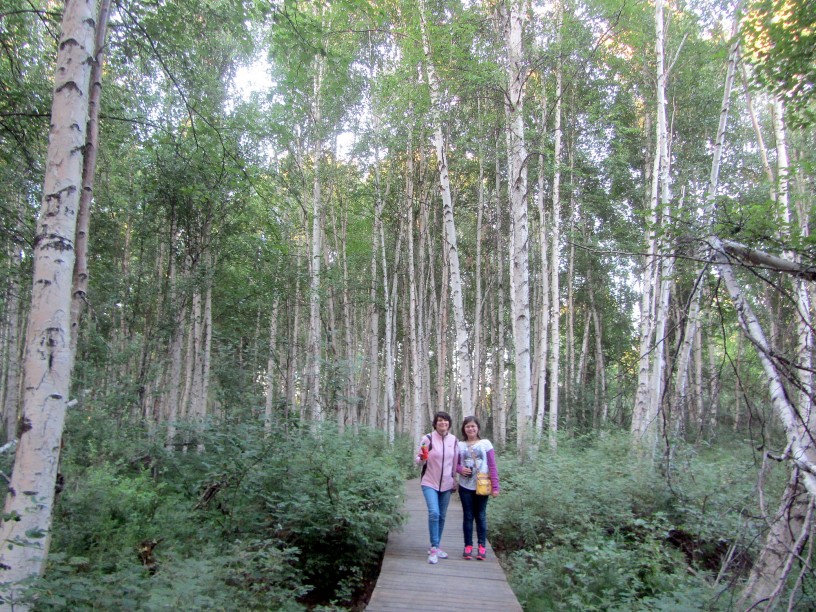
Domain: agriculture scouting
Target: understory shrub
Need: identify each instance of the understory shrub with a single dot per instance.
(234, 518)
(591, 526)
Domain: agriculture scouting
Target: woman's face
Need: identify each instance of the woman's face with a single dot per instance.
(442, 426)
(472, 431)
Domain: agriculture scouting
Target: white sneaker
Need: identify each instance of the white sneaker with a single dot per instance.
(432, 556)
(441, 553)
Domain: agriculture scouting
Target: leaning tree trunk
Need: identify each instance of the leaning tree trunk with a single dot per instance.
(798, 424)
(26, 532)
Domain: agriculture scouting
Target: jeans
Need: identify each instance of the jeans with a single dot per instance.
(437, 502)
(474, 507)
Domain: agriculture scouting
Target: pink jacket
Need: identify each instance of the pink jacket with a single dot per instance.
(442, 463)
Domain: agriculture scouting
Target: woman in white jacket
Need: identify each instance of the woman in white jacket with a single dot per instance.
(475, 455)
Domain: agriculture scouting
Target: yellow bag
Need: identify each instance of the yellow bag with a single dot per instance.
(483, 484)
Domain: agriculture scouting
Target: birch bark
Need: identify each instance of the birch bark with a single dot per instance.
(555, 251)
(513, 17)
(545, 317)
(81, 274)
(314, 346)
(499, 367)
(271, 367)
(47, 360)
(462, 354)
(12, 324)
(644, 419)
(413, 332)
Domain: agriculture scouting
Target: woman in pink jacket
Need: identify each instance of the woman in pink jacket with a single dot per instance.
(440, 459)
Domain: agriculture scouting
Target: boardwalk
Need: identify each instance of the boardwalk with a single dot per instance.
(408, 582)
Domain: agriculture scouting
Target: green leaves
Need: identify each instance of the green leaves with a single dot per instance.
(254, 522)
(779, 39)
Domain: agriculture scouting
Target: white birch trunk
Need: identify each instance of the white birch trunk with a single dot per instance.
(413, 331)
(692, 326)
(373, 333)
(569, 379)
(13, 322)
(47, 361)
(462, 354)
(294, 344)
(478, 299)
(804, 349)
(271, 367)
(644, 419)
(520, 266)
(314, 343)
(390, 336)
(499, 367)
(544, 318)
(555, 251)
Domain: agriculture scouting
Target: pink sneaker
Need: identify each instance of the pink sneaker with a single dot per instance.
(468, 554)
(432, 556)
(482, 553)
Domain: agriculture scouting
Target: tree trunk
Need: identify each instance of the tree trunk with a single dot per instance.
(544, 318)
(47, 362)
(463, 355)
(478, 301)
(81, 274)
(373, 332)
(804, 349)
(513, 21)
(272, 365)
(789, 531)
(499, 368)
(12, 325)
(555, 251)
(413, 307)
(314, 346)
(645, 425)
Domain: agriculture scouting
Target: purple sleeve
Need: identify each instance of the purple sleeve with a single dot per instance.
(459, 465)
(494, 471)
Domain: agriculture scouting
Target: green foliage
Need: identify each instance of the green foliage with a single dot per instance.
(249, 522)
(779, 38)
(594, 527)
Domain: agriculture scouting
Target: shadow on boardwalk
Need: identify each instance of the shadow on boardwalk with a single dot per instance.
(408, 582)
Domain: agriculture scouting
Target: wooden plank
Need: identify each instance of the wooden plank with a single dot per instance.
(408, 582)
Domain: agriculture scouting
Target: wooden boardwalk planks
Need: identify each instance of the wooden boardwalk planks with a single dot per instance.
(408, 582)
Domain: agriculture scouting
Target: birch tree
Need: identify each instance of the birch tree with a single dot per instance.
(645, 425)
(463, 356)
(513, 21)
(47, 361)
(555, 249)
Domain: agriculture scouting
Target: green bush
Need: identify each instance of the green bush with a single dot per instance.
(593, 527)
(252, 521)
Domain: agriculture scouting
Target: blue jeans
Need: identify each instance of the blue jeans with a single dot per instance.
(437, 502)
(474, 507)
